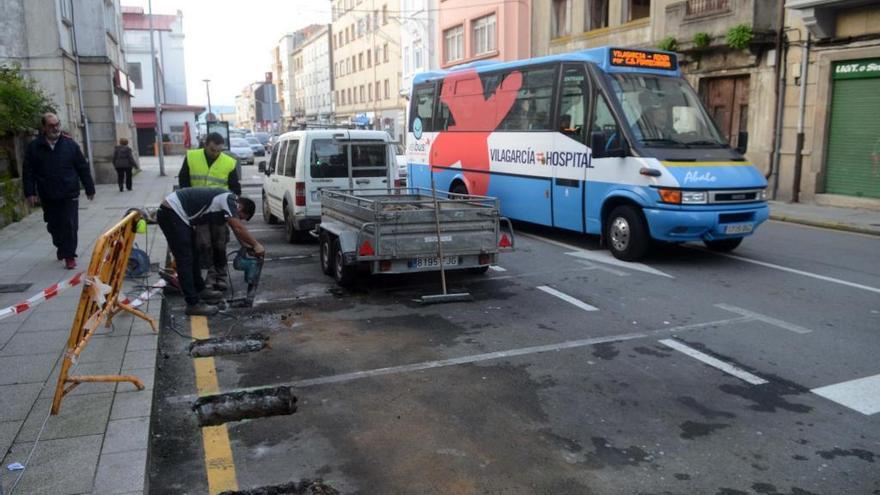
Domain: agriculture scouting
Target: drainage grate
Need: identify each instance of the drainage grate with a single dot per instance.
(215, 410)
(228, 345)
(304, 487)
(12, 288)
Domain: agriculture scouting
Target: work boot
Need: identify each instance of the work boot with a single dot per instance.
(211, 295)
(201, 308)
(172, 284)
(69, 263)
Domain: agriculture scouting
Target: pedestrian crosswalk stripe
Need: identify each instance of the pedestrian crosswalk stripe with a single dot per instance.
(565, 297)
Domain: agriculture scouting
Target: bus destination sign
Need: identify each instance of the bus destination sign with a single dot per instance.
(642, 59)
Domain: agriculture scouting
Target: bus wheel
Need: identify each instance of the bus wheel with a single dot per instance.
(723, 245)
(343, 274)
(327, 255)
(626, 234)
(459, 188)
(268, 217)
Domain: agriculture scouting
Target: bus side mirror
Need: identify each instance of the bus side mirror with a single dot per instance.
(742, 142)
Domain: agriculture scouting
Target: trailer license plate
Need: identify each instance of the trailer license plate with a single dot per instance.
(738, 228)
(433, 261)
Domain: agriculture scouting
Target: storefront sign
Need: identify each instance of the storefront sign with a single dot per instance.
(857, 69)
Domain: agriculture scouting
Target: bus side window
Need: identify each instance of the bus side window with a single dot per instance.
(444, 119)
(573, 104)
(423, 107)
(605, 134)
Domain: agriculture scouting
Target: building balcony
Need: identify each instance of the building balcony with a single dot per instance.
(686, 18)
(820, 16)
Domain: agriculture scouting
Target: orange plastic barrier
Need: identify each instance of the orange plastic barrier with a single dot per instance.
(99, 303)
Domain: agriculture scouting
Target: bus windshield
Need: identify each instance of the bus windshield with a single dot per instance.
(664, 112)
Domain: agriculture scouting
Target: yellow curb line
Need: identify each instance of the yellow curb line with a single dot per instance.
(219, 463)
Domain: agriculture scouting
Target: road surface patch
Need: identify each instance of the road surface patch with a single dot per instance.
(228, 345)
(862, 394)
(565, 297)
(214, 410)
(714, 362)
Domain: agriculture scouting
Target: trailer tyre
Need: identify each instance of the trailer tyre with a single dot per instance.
(268, 217)
(327, 254)
(626, 233)
(723, 245)
(479, 270)
(343, 273)
(459, 188)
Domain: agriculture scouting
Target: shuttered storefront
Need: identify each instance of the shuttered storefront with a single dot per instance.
(853, 166)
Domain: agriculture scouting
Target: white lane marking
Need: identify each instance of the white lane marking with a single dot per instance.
(593, 266)
(801, 272)
(764, 318)
(572, 344)
(496, 268)
(713, 362)
(862, 394)
(599, 256)
(565, 297)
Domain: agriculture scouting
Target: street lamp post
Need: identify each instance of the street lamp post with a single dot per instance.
(156, 94)
(208, 89)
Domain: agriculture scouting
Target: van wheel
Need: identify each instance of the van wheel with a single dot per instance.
(626, 234)
(289, 227)
(327, 254)
(268, 217)
(343, 274)
(723, 245)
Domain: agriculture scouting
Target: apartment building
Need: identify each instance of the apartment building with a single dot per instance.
(87, 74)
(315, 59)
(470, 31)
(367, 65)
(418, 37)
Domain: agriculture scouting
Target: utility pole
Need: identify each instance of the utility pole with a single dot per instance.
(208, 90)
(159, 143)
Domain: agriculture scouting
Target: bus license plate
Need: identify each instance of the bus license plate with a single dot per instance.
(433, 261)
(739, 228)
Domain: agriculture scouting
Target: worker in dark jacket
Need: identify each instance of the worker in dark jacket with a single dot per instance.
(54, 167)
(210, 167)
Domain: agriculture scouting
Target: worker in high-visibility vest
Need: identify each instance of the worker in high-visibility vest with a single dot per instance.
(210, 167)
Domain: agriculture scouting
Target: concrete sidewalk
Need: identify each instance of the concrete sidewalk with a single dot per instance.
(830, 217)
(98, 443)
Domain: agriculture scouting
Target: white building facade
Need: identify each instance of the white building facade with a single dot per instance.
(418, 32)
(317, 81)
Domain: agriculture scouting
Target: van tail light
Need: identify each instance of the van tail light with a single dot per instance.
(366, 249)
(504, 242)
(300, 192)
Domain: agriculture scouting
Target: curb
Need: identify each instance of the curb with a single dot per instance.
(826, 224)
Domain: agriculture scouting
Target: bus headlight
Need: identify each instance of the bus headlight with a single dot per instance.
(694, 197)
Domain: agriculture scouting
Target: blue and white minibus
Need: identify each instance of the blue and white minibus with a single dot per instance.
(606, 141)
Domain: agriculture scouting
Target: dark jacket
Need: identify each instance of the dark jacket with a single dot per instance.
(55, 173)
(183, 179)
(123, 157)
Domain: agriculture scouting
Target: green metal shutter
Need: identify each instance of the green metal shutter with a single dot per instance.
(853, 166)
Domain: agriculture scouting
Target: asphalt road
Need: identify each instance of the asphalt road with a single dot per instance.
(690, 373)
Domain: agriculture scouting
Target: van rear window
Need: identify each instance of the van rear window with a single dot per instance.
(329, 159)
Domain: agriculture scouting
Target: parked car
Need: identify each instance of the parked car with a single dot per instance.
(302, 163)
(256, 146)
(242, 150)
(262, 137)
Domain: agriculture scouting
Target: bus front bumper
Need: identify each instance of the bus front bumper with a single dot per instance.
(684, 225)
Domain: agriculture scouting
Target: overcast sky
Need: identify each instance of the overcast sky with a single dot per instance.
(230, 41)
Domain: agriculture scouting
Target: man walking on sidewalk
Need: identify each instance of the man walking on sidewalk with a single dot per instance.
(53, 168)
(186, 209)
(210, 167)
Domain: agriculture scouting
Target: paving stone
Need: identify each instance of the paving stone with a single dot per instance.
(121, 472)
(108, 348)
(97, 368)
(126, 434)
(16, 401)
(146, 375)
(26, 343)
(80, 415)
(45, 320)
(8, 329)
(132, 404)
(59, 467)
(139, 360)
(143, 342)
(8, 430)
(26, 369)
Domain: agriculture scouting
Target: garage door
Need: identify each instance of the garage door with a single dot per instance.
(853, 166)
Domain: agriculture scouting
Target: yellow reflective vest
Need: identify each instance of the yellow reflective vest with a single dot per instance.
(201, 175)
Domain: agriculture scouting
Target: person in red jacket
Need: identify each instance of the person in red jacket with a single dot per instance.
(54, 167)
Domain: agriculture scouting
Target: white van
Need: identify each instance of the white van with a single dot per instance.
(305, 162)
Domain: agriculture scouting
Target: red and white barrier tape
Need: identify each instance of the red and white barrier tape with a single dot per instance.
(60, 287)
(142, 298)
(46, 294)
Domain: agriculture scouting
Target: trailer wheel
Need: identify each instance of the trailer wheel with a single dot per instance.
(723, 245)
(343, 274)
(459, 188)
(327, 254)
(268, 217)
(626, 233)
(478, 270)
